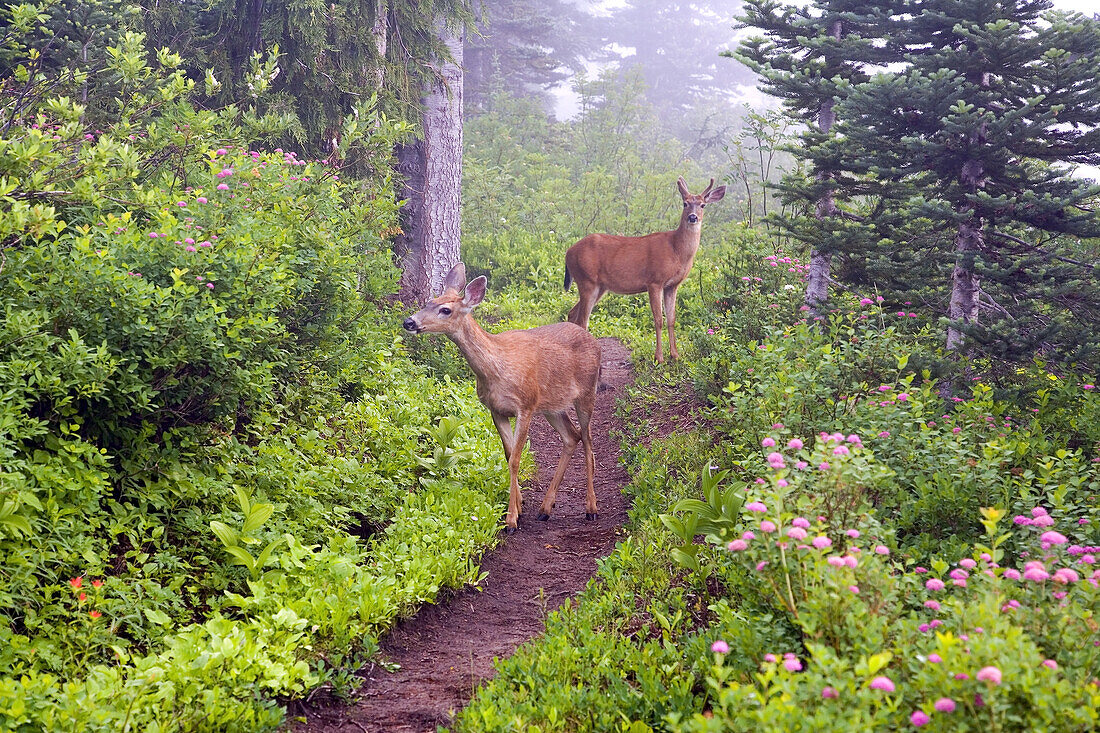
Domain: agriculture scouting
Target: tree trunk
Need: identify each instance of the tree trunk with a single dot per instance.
(380, 33)
(432, 167)
(969, 239)
(964, 282)
(817, 281)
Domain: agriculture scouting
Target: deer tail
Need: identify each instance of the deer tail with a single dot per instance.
(568, 278)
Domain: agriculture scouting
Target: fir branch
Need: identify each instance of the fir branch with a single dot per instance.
(1036, 248)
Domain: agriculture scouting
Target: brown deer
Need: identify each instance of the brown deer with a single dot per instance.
(547, 369)
(655, 263)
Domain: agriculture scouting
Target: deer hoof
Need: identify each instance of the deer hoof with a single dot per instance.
(543, 517)
(591, 516)
(510, 530)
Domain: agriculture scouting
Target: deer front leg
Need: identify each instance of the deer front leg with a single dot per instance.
(670, 319)
(569, 438)
(655, 306)
(515, 499)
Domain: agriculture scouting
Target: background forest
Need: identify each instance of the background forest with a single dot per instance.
(225, 473)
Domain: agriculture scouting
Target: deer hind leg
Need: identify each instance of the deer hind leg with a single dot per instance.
(590, 294)
(515, 498)
(504, 427)
(570, 436)
(670, 319)
(655, 306)
(584, 417)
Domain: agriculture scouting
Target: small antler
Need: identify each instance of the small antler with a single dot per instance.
(708, 188)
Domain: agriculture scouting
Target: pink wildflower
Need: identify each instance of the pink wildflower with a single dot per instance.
(944, 705)
(882, 683)
(756, 506)
(989, 674)
(720, 647)
(919, 718)
(1064, 576)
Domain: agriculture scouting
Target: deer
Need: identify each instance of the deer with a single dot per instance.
(520, 373)
(655, 263)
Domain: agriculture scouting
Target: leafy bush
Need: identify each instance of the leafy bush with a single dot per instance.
(207, 409)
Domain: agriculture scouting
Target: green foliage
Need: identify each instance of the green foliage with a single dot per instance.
(209, 495)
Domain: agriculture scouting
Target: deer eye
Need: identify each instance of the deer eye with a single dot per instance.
(702, 206)
(685, 204)
(444, 311)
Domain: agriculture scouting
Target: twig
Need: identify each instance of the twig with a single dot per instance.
(1037, 248)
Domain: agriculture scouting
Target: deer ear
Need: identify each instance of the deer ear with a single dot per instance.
(716, 194)
(682, 185)
(455, 279)
(475, 292)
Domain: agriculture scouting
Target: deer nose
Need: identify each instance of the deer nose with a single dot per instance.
(410, 325)
(693, 218)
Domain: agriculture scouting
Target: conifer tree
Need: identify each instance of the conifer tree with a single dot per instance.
(807, 58)
(994, 101)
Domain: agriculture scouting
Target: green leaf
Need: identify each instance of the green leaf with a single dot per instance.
(157, 617)
(225, 533)
(240, 556)
(256, 518)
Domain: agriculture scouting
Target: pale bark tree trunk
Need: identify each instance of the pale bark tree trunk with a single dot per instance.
(964, 281)
(432, 167)
(380, 32)
(969, 238)
(817, 281)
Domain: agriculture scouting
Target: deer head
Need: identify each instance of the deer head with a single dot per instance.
(695, 203)
(446, 313)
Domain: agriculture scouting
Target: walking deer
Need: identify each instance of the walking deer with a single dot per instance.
(547, 369)
(655, 263)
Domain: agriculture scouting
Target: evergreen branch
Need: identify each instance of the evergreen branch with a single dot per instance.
(993, 304)
(1040, 250)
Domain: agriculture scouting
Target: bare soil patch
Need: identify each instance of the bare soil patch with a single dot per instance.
(446, 650)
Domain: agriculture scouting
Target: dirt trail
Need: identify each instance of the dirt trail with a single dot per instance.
(446, 650)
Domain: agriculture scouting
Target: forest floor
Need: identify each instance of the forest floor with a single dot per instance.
(434, 661)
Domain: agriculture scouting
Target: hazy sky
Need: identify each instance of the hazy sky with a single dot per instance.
(1081, 6)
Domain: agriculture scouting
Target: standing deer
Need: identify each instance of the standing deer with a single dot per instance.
(655, 263)
(547, 369)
